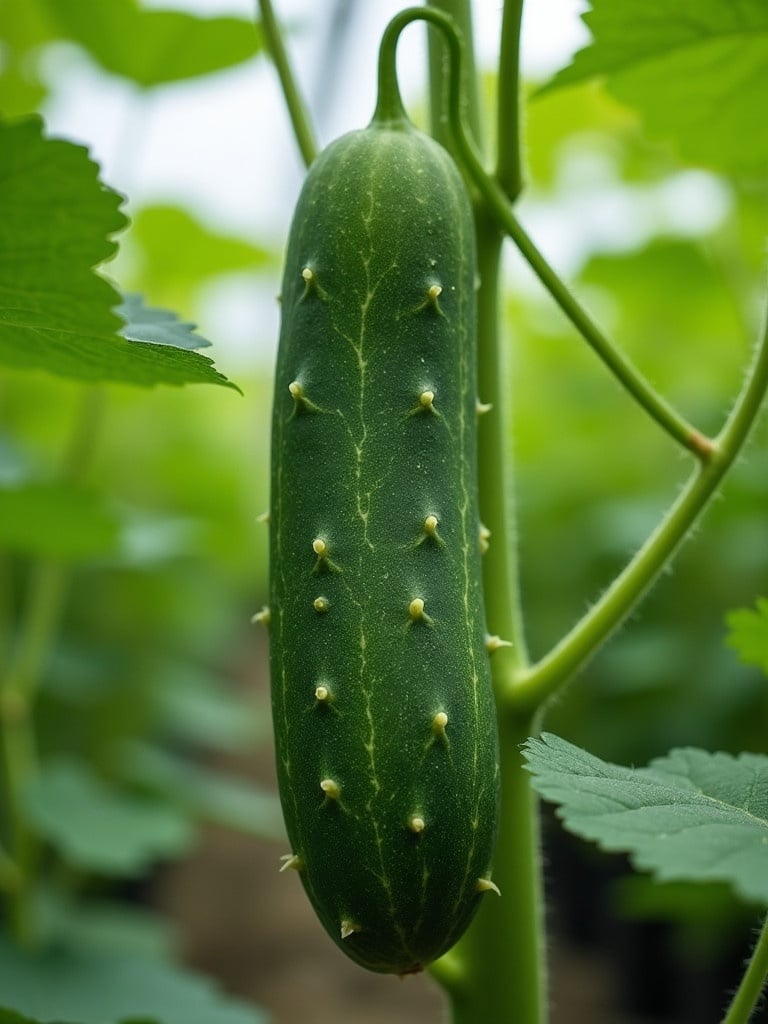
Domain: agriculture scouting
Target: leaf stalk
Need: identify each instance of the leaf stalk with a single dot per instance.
(752, 983)
(297, 109)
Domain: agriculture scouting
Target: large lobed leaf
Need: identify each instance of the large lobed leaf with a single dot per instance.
(8, 1016)
(696, 70)
(99, 828)
(153, 47)
(57, 520)
(206, 793)
(90, 987)
(56, 314)
(689, 816)
(175, 251)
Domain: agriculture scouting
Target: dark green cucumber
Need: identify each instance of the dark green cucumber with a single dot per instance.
(384, 719)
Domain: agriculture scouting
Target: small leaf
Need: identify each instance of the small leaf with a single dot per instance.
(194, 709)
(56, 314)
(210, 795)
(8, 1016)
(99, 828)
(92, 924)
(153, 47)
(695, 71)
(175, 251)
(749, 634)
(24, 30)
(157, 326)
(91, 987)
(56, 520)
(690, 816)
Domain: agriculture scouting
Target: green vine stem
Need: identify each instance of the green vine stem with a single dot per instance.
(297, 110)
(497, 970)
(38, 624)
(752, 984)
(535, 684)
(620, 366)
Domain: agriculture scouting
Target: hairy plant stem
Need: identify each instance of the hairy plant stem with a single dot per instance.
(752, 984)
(503, 606)
(37, 628)
(497, 970)
(39, 619)
(535, 684)
(620, 366)
(297, 109)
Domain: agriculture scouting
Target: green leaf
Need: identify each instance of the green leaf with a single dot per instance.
(92, 924)
(212, 795)
(55, 313)
(99, 828)
(696, 70)
(24, 29)
(154, 47)
(689, 816)
(157, 326)
(749, 633)
(8, 1016)
(105, 988)
(56, 520)
(194, 708)
(174, 251)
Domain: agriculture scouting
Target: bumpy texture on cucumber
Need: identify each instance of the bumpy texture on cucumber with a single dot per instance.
(384, 719)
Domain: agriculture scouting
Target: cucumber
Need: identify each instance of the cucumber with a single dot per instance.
(383, 713)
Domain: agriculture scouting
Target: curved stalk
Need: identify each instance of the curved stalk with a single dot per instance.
(297, 110)
(540, 681)
(752, 984)
(18, 688)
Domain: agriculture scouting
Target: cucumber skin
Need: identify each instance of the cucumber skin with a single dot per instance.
(359, 461)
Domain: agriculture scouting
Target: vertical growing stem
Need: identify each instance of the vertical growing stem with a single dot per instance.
(19, 685)
(498, 967)
(297, 111)
(497, 970)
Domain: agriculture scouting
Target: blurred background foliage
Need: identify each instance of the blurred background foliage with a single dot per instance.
(152, 691)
